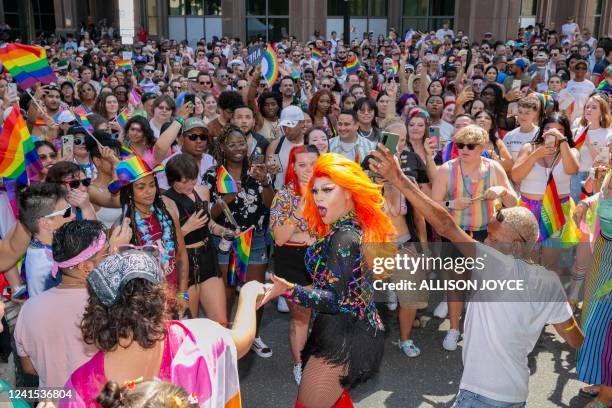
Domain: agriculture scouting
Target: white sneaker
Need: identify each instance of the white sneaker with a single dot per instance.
(450, 341)
(391, 300)
(409, 348)
(441, 310)
(281, 305)
(297, 373)
(261, 348)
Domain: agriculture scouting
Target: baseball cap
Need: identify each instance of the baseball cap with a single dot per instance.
(290, 116)
(519, 62)
(193, 74)
(65, 117)
(583, 62)
(113, 273)
(193, 123)
(233, 62)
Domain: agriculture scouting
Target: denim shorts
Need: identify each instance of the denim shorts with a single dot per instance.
(259, 251)
(468, 399)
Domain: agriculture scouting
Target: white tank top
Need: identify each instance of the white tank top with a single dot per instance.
(108, 216)
(535, 182)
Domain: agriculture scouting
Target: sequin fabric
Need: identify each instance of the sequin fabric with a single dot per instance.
(283, 208)
(342, 282)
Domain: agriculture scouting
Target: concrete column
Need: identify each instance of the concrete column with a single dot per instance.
(476, 17)
(394, 17)
(26, 17)
(233, 18)
(307, 16)
(605, 28)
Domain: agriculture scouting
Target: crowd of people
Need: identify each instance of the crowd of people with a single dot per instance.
(124, 239)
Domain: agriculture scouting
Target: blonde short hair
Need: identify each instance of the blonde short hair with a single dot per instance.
(472, 134)
(520, 219)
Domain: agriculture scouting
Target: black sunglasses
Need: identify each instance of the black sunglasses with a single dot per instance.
(74, 184)
(470, 146)
(66, 213)
(205, 83)
(201, 136)
(79, 141)
(500, 218)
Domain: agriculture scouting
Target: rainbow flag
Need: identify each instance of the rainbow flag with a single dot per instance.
(122, 118)
(604, 86)
(395, 68)
(17, 151)
(81, 117)
(450, 152)
(72, 79)
(269, 65)
(104, 82)
(552, 214)
(125, 151)
(27, 64)
(225, 182)
(408, 38)
(352, 65)
(239, 257)
(124, 65)
(134, 98)
(316, 53)
(295, 75)
(580, 139)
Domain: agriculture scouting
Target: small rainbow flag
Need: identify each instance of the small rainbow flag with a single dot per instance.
(124, 65)
(71, 78)
(125, 151)
(81, 117)
(580, 139)
(225, 182)
(269, 65)
(27, 64)
(295, 75)
(17, 151)
(239, 257)
(122, 117)
(553, 218)
(104, 82)
(316, 53)
(395, 68)
(408, 38)
(134, 98)
(352, 65)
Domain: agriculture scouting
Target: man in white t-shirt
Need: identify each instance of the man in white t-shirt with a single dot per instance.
(527, 130)
(502, 325)
(291, 124)
(444, 31)
(580, 88)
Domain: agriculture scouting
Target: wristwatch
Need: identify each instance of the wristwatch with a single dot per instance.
(563, 139)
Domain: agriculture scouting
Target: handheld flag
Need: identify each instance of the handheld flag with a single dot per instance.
(81, 116)
(352, 65)
(27, 64)
(581, 139)
(125, 151)
(239, 257)
(408, 38)
(72, 79)
(269, 65)
(122, 118)
(316, 54)
(124, 65)
(104, 82)
(552, 216)
(134, 98)
(225, 182)
(395, 68)
(17, 151)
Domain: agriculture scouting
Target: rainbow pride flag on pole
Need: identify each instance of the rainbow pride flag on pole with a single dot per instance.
(395, 68)
(352, 65)
(239, 257)
(580, 139)
(17, 151)
(316, 54)
(81, 116)
(124, 65)
(225, 182)
(27, 64)
(269, 65)
(134, 98)
(553, 218)
(122, 117)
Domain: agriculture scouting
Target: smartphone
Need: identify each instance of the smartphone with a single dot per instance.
(258, 159)
(12, 87)
(390, 141)
(191, 98)
(202, 206)
(516, 84)
(275, 161)
(604, 155)
(549, 140)
(67, 147)
(434, 134)
(178, 58)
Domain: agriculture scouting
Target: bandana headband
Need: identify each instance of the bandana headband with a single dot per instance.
(84, 255)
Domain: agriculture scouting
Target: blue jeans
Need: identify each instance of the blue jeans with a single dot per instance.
(576, 185)
(468, 399)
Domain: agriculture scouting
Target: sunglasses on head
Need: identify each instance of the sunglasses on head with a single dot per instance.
(470, 146)
(74, 184)
(65, 213)
(500, 218)
(194, 136)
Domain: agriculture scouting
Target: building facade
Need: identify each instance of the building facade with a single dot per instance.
(273, 19)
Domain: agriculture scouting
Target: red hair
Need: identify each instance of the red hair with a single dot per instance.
(290, 175)
(367, 198)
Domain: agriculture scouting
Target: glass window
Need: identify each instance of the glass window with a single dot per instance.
(177, 8)
(194, 8)
(152, 17)
(357, 8)
(415, 7)
(278, 28)
(528, 7)
(378, 8)
(425, 15)
(256, 7)
(278, 8)
(212, 7)
(442, 8)
(256, 27)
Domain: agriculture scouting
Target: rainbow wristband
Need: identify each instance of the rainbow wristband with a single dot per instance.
(182, 295)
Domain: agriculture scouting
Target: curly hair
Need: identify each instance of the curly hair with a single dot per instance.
(146, 129)
(62, 169)
(139, 314)
(148, 394)
(269, 95)
(367, 198)
(218, 153)
(314, 102)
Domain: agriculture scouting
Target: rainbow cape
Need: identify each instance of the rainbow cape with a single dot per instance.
(553, 217)
(17, 151)
(122, 118)
(580, 139)
(239, 257)
(316, 54)
(81, 116)
(124, 65)
(27, 64)
(352, 65)
(269, 65)
(134, 98)
(225, 182)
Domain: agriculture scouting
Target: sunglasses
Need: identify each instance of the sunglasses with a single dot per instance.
(65, 213)
(74, 184)
(205, 83)
(470, 146)
(500, 218)
(149, 70)
(79, 141)
(325, 85)
(201, 136)
(151, 250)
(49, 156)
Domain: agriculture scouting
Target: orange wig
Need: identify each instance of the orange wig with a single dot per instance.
(367, 198)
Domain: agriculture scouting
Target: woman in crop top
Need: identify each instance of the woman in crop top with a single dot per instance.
(551, 151)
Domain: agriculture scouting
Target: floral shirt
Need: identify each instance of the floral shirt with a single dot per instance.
(247, 208)
(342, 282)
